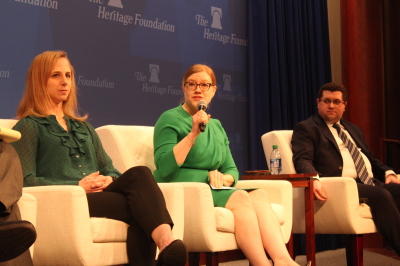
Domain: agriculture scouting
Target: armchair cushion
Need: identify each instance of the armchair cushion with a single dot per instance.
(224, 220)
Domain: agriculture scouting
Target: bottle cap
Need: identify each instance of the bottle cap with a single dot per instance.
(274, 146)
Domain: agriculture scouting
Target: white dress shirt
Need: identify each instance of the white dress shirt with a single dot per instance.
(349, 169)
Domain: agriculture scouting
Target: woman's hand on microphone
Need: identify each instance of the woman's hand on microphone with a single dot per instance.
(197, 118)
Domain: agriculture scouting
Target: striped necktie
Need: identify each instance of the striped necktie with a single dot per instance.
(356, 155)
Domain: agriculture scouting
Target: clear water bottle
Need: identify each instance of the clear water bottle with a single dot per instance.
(275, 161)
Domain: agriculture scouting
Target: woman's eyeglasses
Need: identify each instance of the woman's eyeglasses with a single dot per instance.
(193, 86)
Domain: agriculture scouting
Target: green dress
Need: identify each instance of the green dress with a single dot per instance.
(52, 156)
(210, 152)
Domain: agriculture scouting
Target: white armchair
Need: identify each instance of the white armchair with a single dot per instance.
(340, 214)
(202, 233)
(66, 235)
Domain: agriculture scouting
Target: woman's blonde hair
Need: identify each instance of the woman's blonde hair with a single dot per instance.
(36, 99)
(199, 68)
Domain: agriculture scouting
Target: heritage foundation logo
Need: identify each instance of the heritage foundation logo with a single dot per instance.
(51, 4)
(115, 3)
(118, 16)
(227, 82)
(97, 83)
(148, 87)
(4, 74)
(226, 94)
(216, 16)
(113, 15)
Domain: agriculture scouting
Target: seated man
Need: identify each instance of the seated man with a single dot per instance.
(331, 146)
(15, 236)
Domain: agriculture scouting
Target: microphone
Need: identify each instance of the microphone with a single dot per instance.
(202, 105)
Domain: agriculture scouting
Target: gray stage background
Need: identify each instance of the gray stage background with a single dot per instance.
(130, 55)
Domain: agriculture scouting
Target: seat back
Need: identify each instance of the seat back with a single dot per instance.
(6, 133)
(128, 146)
(8, 123)
(282, 138)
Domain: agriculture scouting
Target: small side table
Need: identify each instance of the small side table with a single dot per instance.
(298, 180)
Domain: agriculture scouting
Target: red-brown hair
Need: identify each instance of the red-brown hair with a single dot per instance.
(199, 68)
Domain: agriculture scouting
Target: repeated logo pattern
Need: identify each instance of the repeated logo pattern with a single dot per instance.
(115, 3)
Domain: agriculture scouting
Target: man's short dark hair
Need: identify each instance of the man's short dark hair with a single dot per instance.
(332, 86)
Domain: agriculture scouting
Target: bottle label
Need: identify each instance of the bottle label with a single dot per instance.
(275, 163)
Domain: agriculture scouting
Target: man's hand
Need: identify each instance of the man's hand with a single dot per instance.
(392, 179)
(319, 192)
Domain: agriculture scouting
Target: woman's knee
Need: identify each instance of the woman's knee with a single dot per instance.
(140, 171)
(259, 194)
(239, 199)
(138, 174)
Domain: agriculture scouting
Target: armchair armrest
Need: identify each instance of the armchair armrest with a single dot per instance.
(62, 224)
(342, 201)
(199, 214)
(174, 197)
(27, 205)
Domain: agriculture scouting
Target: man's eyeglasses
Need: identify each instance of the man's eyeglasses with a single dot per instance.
(193, 86)
(335, 102)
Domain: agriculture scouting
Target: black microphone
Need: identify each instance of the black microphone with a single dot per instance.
(202, 105)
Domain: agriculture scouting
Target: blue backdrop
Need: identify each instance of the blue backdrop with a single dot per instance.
(130, 55)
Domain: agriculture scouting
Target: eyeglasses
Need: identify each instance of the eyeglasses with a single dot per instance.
(193, 86)
(335, 102)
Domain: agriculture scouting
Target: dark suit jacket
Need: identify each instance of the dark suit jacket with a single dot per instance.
(315, 149)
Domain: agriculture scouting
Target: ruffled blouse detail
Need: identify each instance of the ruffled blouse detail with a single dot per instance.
(72, 139)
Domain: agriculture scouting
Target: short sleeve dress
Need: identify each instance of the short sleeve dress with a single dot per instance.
(210, 152)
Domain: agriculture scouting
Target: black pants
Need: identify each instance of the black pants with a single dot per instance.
(134, 198)
(384, 201)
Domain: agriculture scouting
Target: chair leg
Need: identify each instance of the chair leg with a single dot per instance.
(212, 258)
(354, 250)
(194, 258)
(290, 246)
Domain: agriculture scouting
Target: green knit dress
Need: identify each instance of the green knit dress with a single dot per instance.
(210, 152)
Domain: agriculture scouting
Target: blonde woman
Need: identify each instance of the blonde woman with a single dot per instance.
(58, 147)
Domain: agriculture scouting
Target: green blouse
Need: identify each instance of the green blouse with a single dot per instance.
(52, 156)
(210, 152)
